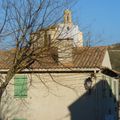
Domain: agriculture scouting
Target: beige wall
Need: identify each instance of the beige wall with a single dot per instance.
(106, 61)
(48, 99)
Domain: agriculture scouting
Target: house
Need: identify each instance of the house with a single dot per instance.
(51, 35)
(72, 83)
(114, 53)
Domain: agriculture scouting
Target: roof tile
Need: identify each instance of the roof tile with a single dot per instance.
(83, 57)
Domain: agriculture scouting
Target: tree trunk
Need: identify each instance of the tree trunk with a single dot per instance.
(8, 77)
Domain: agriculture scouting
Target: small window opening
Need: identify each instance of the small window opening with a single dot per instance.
(68, 28)
(68, 18)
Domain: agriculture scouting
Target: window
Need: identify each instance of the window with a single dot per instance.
(68, 18)
(20, 86)
(68, 28)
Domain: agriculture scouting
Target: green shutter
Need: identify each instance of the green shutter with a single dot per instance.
(20, 86)
(18, 119)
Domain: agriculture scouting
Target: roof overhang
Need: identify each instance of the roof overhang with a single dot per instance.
(111, 73)
(56, 70)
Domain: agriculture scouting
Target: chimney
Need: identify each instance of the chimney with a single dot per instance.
(65, 50)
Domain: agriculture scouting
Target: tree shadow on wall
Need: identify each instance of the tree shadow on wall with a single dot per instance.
(99, 104)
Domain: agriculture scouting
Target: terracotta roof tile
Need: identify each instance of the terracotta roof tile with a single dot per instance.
(83, 57)
(89, 57)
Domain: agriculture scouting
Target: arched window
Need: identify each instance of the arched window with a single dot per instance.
(68, 18)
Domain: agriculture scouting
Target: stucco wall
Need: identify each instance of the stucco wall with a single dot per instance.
(50, 97)
(106, 61)
(68, 31)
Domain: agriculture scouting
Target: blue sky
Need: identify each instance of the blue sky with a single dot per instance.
(101, 17)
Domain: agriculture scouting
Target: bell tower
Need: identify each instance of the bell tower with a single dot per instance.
(67, 17)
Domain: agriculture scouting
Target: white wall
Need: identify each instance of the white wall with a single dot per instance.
(48, 99)
(106, 61)
(73, 32)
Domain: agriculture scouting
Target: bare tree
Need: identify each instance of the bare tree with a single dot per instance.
(22, 18)
(22, 26)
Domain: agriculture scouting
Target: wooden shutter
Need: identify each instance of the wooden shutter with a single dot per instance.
(18, 119)
(20, 86)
